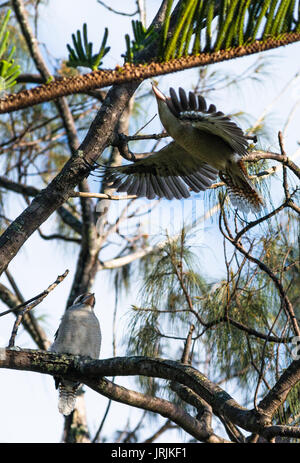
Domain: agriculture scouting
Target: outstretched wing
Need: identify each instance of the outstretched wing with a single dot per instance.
(165, 174)
(193, 109)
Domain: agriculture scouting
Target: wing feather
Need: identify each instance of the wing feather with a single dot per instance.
(162, 174)
(194, 111)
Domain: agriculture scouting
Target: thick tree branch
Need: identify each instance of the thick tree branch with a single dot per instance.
(282, 431)
(278, 394)
(129, 73)
(88, 372)
(165, 427)
(31, 191)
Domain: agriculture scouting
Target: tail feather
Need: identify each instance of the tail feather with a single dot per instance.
(242, 192)
(67, 398)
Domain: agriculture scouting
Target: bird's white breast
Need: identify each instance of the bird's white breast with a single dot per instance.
(79, 334)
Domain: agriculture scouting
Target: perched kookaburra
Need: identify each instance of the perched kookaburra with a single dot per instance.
(78, 334)
(206, 142)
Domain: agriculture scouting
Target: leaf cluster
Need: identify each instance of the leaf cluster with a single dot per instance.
(81, 54)
(9, 71)
(209, 26)
(143, 37)
(197, 26)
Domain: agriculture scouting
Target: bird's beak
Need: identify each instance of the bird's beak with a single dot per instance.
(89, 299)
(159, 95)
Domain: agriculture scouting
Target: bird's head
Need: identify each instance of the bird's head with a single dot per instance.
(86, 299)
(159, 95)
(166, 109)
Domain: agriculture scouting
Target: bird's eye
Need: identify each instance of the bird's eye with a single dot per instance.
(78, 299)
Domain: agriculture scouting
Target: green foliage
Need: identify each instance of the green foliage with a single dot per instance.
(162, 296)
(81, 54)
(9, 71)
(210, 26)
(248, 296)
(178, 39)
(200, 26)
(143, 37)
(165, 27)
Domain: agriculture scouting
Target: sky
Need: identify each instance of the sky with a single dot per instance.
(30, 412)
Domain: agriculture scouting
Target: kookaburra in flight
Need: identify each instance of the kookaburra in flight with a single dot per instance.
(78, 334)
(206, 142)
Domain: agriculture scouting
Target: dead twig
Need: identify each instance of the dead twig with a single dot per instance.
(29, 305)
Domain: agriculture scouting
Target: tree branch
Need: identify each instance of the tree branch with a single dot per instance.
(238, 245)
(130, 72)
(30, 305)
(278, 394)
(254, 156)
(75, 170)
(89, 372)
(29, 321)
(117, 11)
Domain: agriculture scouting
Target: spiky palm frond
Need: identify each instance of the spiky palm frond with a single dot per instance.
(81, 54)
(211, 26)
(143, 37)
(207, 26)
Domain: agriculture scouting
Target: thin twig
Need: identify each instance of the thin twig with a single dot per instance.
(145, 125)
(109, 8)
(284, 169)
(289, 310)
(34, 302)
(82, 194)
(278, 96)
(187, 346)
(14, 286)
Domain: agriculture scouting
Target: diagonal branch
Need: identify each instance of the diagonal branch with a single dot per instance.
(238, 245)
(278, 394)
(130, 72)
(29, 322)
(91, 372)
(29, 305)
(254, 156)
(75, 170)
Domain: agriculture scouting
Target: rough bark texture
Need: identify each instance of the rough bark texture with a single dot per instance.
(103, 78)
(91, 372)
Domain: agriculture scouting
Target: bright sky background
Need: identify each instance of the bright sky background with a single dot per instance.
(29, 400)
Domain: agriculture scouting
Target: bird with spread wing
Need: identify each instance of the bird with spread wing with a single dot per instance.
(206, 143)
